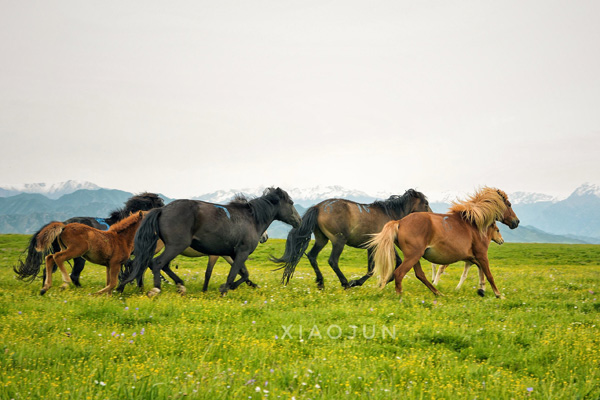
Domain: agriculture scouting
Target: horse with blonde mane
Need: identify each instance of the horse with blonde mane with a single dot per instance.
(493, 235)
(110, 248)
(459, 235)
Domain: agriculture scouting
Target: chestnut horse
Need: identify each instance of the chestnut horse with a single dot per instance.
(493, 234)
(29, 269)
(345, 223)
(459, 235)
(110, 248)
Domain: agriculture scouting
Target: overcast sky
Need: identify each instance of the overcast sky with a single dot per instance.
(189, 97)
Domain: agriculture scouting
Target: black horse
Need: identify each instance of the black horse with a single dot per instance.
(191, 253)
(344, 222)
(29, 269)
(233, 230)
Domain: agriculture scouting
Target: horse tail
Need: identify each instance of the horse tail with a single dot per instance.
(48, 235)
(384, 252)
(296, 244)
(144, 246)
(28, 270)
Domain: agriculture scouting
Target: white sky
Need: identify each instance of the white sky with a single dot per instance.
(190, 97)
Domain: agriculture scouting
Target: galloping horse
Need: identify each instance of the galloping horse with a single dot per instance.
(492, 234)
(109, 248)
(232, 230)
(189, 252)
(344, 222)
(459, 235)
(29, 269)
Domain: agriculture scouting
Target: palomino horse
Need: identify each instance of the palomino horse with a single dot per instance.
(232, 230)
(344, 222)
(492, 234)
(189, 252)
(110, 248)
(29, 269)
(459, 235)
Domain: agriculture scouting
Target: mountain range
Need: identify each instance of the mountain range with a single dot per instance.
(575, 219)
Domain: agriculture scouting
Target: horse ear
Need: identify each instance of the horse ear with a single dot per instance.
(141, 213)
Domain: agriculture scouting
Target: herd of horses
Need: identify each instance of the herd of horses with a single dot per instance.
(146, 227)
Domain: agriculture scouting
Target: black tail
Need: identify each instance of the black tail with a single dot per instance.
(27, 271)
(144, 246)
(296, 244)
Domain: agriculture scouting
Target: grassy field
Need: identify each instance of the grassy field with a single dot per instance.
(541, 342)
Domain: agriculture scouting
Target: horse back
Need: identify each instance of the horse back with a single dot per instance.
(354, 221)
(444, 238)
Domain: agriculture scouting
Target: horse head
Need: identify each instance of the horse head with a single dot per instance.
(495, 234)
(286, 212)
(509, 218)
(418, 202)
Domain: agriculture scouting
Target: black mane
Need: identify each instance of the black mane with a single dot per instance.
(261, 207)
(397, 206)
(141, 202)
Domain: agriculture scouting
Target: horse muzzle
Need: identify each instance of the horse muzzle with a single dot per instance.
(514, 223)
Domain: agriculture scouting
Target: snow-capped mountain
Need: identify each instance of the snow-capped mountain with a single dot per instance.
(52, 191)
(587, 189)
(530, 198)
(302, 196)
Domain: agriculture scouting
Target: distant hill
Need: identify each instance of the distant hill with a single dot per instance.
(26, 213)
(544, 219)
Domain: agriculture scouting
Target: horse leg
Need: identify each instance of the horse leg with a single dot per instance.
(399, 273)
(463, 277)
(245, 275)
(178, 281)
(236, 267)
(370, 265)
(212, 260)
(78, 264)
(48, 271)
(484, 264)
(112, 277)
(334, 258)
(162, 261)
(420, 274)
(481, 290)
(320, 242)
(433, 273)
(438, 275)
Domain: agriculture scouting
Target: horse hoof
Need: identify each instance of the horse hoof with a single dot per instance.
(481, 292)
(181, 289)
(153, 292)
(43, 291)
(223, 288)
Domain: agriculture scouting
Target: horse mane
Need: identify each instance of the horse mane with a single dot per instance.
(143, 201)
(126, 223)
(398, 206)
(482, 208)
(260, 207)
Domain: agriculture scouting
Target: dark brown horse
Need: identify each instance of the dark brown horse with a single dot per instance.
(459, 235)
(110, 248)
(344, 222)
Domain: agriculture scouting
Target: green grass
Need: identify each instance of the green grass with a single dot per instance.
(541, 342)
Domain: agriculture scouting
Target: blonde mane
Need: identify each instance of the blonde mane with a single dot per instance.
(482, 209)
(127, 222)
